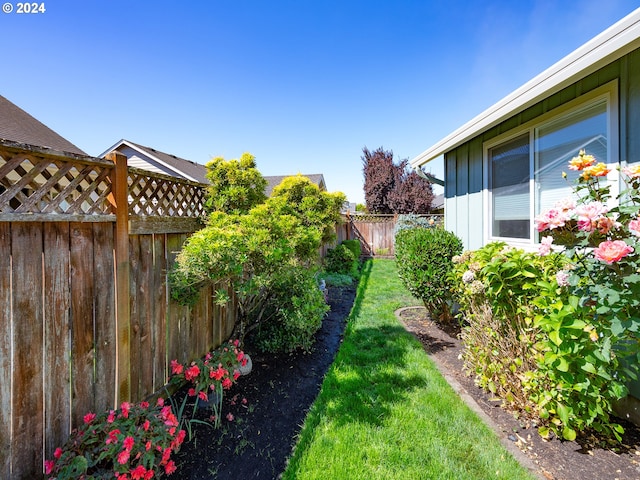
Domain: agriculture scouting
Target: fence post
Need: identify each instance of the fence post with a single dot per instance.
(120, 195)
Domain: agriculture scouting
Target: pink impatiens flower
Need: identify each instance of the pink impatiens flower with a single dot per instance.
(612, 251)
(89, 417)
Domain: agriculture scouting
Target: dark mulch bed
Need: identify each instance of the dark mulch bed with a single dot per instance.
(553, 459)
(278, 392)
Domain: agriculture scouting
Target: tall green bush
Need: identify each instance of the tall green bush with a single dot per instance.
(293, 313)
(340, 260)
(423, 257)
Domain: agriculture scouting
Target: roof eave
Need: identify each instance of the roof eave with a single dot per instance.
(615, 42)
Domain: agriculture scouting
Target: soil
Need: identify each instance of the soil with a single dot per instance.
(279, 391)
(281, 388)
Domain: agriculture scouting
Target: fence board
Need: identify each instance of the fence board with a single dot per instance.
(5, 350)
(57, 331)
(82, 324)
(134, 314)
(105, 316)
(27, 336)
(145, 302)
(158, 295)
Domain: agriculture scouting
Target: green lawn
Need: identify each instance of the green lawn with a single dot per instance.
(385, 412)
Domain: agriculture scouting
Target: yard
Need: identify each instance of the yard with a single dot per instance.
(384, 410)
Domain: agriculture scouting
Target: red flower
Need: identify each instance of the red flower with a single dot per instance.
(113, 436)
(128, 443)
(203, 396)
(192, 392)
(170, 468)
(48, 466)
(138, 473)
(111, 417)
(89, 417)
(146, 425)
(125, 407)
(123, 457)
(160, 402)
(226, 383)
(192, 372)
(176, 368)
(57, 453)
(218, 373)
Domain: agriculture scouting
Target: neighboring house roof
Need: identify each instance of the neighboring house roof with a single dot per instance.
(18, 126)
(615, 42)
(154, 160)
(438, 202)
(275, 180)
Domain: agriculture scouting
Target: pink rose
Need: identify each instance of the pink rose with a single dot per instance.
(545, 246)
(634, 227)
(611, 251)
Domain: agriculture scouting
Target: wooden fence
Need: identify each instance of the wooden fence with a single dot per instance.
(375, 232)
(85, 317)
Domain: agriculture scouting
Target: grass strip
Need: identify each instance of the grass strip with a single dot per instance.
(384, 410)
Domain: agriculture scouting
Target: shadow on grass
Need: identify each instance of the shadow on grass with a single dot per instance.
(367, 377)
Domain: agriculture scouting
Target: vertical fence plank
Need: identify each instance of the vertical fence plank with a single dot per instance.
(145, 304)
(57, 331)
(178, 316)
(27, 413)
(105, 315)
(159, 326)
(82, 320)
(6, 366)
(134, 315)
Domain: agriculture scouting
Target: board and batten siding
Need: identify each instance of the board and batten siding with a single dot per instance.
(464, 200)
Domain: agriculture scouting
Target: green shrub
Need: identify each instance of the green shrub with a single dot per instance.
(495, 287)
(293, 313)
(340, 260)
(354, 246)
(423, 257)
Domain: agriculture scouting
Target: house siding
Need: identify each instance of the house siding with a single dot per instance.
(464, 170)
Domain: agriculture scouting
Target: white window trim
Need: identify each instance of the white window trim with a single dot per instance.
(607, 92)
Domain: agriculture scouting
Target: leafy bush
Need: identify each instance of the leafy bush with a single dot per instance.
(495, 287)
(293, 313)
(354, 246)
(591, 350)
(423, 257)
(134, 441)
(340, 260)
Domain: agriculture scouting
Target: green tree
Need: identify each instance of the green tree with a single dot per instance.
(254, 252)
(236, 185)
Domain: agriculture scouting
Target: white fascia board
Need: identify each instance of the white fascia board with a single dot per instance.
(150, 155)
(615, 42)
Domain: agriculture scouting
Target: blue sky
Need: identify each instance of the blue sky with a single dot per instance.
(302, 85)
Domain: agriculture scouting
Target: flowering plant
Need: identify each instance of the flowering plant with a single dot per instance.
(590, 315)
(133, 442)
(210, 376)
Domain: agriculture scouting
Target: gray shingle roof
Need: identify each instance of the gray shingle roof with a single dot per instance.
(17, 125)
(275, 180)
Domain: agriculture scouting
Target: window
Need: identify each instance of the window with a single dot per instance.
(525, 169)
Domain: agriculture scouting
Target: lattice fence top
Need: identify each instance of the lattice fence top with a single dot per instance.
(36, 182)
(155, 194)
(372, 217)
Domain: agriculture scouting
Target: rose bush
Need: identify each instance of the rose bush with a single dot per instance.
(591, 349)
